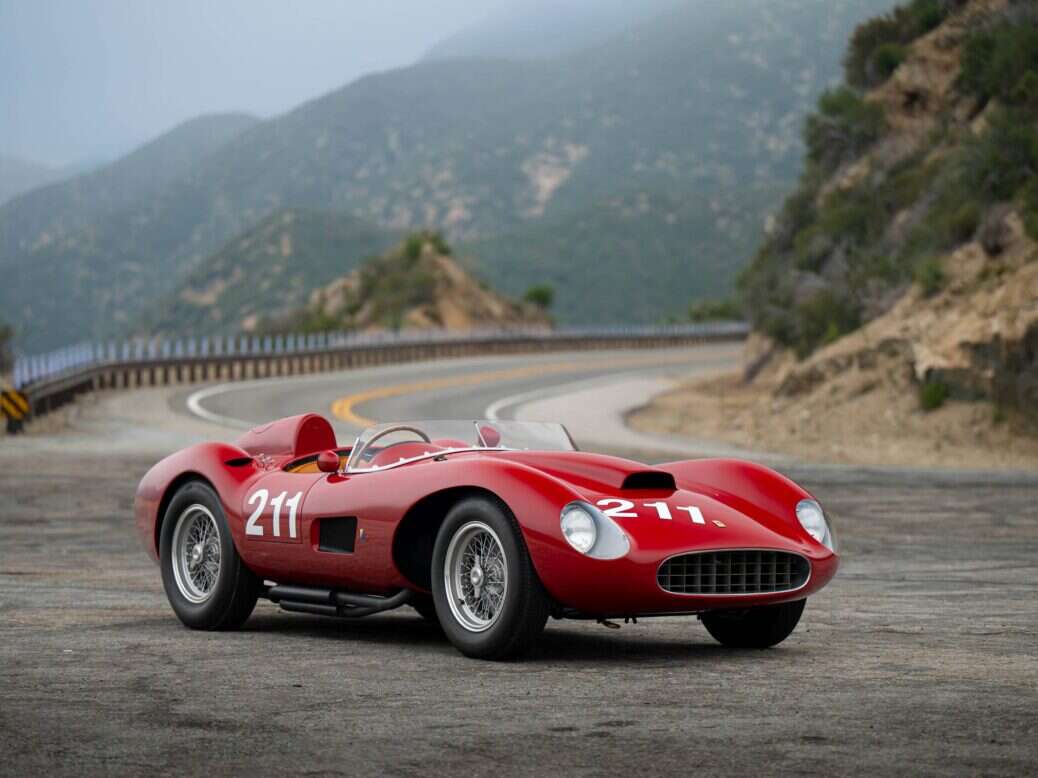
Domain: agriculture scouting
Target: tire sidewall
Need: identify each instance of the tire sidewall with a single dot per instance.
(205, 614)
(498, 636)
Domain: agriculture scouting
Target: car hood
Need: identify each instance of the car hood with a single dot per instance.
(661, 517)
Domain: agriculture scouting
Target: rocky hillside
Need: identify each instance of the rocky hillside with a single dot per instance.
(704, 101)
(416, 285)
(907, 262)
(267, 272)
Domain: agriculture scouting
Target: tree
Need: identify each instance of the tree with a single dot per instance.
(541, 295)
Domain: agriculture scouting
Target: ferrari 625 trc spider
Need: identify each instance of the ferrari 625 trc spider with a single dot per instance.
(487, 528)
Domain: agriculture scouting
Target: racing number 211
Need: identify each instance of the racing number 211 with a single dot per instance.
(621, 509)
(259, 498)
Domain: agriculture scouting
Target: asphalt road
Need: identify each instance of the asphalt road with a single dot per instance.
(920, 658)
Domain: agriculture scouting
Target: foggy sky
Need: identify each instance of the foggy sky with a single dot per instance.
(85, 80)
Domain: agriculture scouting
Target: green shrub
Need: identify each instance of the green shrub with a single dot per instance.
(413, 246)
(963, 223)
(932, 394)
(1030, 208)
(541, 295)
(998, 414)
(440, 244)
(867, 38)
(1003, 158)
(798, 211)
(822, 319)
(996, 62)
(715, 310)
(929, 275)
(842, 129)
(886, 59)
(877, 46)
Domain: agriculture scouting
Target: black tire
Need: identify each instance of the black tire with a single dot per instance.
(760, 627)
(524, 609)
(233, 595)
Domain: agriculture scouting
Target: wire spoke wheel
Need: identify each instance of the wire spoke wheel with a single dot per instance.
(476, 576)
(196, 553)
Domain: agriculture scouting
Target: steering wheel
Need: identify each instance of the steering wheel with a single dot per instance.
(396, 428)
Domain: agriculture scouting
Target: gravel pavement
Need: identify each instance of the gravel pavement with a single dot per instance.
(920, 658)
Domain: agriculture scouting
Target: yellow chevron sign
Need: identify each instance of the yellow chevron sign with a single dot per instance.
(13, 404)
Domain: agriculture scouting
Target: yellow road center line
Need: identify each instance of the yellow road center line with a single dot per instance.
(344, 408)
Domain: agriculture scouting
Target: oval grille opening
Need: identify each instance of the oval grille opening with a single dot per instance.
(733, 572)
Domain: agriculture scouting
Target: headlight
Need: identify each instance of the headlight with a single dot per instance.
(812, 519)
(593, 533)
(578, 525)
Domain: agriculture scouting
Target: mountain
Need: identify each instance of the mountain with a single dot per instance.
(703, 101)
(531, 29)
(19, 175)
(79, 256)
(906, 263)
(418, 285)
(634, 255)
(268, 271)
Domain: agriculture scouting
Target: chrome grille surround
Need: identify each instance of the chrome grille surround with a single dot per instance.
(733, 572)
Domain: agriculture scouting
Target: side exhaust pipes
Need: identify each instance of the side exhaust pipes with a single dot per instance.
(327, 602)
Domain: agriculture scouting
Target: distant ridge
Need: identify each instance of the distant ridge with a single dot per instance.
(702, 103)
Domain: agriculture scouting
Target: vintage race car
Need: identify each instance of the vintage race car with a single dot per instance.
(486, 528)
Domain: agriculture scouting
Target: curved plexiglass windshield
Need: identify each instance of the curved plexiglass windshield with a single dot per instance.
(389, 445)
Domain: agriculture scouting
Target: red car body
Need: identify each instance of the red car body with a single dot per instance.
(740, 505)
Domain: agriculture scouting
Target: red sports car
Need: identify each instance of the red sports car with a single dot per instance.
(485, 527)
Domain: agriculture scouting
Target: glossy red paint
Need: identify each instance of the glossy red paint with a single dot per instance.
(741, 505)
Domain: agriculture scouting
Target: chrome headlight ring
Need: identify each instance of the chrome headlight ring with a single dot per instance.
(591, 532)
(812, 518)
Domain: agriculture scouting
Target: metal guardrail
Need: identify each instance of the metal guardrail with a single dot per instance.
(53, 379)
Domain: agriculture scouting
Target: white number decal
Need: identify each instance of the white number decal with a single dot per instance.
(293, 506)
(262, 496)
(694, 513)
(621, 509)
(662, 509)
(277, 502)
(251, 527)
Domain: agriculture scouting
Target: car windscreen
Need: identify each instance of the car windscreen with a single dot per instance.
(392, 444)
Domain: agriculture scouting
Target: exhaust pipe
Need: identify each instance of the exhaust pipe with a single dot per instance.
(326, 602)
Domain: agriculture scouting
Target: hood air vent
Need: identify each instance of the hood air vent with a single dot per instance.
(650, 479)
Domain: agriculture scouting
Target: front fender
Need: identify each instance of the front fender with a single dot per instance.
(749, 488)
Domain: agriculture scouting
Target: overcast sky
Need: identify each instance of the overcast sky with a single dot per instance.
(86, 80)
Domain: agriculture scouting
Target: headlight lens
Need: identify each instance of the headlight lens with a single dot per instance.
(812, 519)
(579, 528)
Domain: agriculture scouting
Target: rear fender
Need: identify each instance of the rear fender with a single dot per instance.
(224, 467)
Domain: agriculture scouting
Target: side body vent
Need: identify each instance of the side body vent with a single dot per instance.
(650, 479)
(337, 535)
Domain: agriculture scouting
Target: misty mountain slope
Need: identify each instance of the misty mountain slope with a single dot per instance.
(703, 99)
(531, 29)
(19, 175)
(52, 213)
(268, 271)
(635, 256)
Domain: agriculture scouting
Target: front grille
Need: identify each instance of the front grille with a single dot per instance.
(733, 572)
